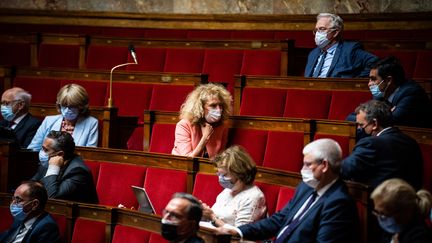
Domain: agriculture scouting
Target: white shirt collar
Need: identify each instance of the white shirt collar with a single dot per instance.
(385, 129)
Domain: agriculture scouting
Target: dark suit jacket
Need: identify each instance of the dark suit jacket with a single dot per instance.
(416, 232)
(25, 129)
(43, 230)
(349, 61)
(333, 218)
(378, 158)
(74, 182)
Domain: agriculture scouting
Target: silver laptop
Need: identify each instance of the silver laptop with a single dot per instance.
(143, 199)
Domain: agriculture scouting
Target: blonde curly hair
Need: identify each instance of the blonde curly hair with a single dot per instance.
(193, 107)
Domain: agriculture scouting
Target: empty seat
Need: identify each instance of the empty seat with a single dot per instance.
(129, 234)
(135, 141)
(184, 60)
(17, 49)
(115, 181)
(86, 230)
(43, 90)
(312, 104)
(59, 56)
(407, 58)
(344, 103)
(97, 91)
(206, 187)
(261, 62)
(423, 67)
(162, 138)
(132, 98)
(105, 56)
(149, 59)
(271, 193)
(284, 151)
(285, 195)
(254, 141)
(94, 167)
(262, 102)
(169, 97)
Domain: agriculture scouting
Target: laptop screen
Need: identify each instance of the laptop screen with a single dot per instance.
(143, 199)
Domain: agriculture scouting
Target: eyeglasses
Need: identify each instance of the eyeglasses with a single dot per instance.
(8, 103)
(379, 214)
(322, 29)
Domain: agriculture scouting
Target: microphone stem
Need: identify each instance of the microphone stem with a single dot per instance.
(110, 101)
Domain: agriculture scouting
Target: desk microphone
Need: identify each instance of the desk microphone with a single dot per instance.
(133, 53)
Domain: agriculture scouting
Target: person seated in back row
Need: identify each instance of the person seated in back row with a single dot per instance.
(202, 131)
(240, 202)
(72, 102)
(334, 57)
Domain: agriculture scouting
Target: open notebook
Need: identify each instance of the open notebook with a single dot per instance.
(143, 199)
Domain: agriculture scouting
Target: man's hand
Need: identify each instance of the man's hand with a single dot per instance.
(226, 231)
(56, 160)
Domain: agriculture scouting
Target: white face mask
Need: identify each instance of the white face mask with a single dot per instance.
(213, 115)
(309, 178)
(321, 39)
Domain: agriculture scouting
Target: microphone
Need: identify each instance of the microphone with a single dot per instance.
(133, 53)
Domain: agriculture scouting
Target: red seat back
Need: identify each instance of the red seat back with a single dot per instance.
(277, 144)
(423, 67)
(271, 195)
(262, 102)
(59, 56)
(135, 141)
(132, 98)
(407, 58)
(312, 104)
(156, 238)
(261, 62)
(43, 90)
(97, 91)
(169, 97)
(106, 57)
(61, 221)
(343, 141)
(15, 54)
(162, 138)
(254, 141)
(129, 234)
(206, 188)
(149, 59)
(94, 167)
(86, 230)
(184, 60)
(344, 103)
(285, 195)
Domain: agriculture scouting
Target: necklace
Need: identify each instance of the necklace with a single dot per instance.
(67, 127)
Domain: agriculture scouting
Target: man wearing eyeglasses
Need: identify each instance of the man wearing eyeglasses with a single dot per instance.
(31, 222)
(15, 104)
(334, 57)
(384, 152)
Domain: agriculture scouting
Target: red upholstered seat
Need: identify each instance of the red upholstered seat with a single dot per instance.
(129, 234)
(303, 38)
(184, 60)
(6, 217)
(284, 151)
(62, 225)
(313, 104)
(15, 54)
(206, 188)
(135, 141)
(423, 66)
(161, 184)
(156, 238)
(94, 167)
(169, 97)
(343, 141)
(166, 33)
(271, 195)
(252, 35)
(162, 138)
(262, 102)
(43, 90)
(132, 98)
(149, 59)
(427, 165)
(221, 65)
(285, 195)
(59, 56)
(209, 34)
(261, 62)
(96, 90)
(407, 58)
(254, 141)
(344, 103)
(86, 230)
(115, 181)
(106, 57)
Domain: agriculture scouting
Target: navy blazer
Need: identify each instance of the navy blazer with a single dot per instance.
(349, 61)
(43, 230)
(25, 129)
(333, 218)
(392, 154)
(73, 183)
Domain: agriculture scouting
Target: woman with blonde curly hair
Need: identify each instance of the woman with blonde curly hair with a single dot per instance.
(401, 212)
(202, 131)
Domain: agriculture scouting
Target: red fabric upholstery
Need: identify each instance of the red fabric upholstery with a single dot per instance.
(132, 98)
(15, 54)
(313, 104)
(129, 234)
(43, 90)
(344, 103)
(62, 225)
(278, 143)
(303, 38)
(106, 57)
(427, 165)
(285, 195)
(6, 219)
(94, 167)
(86, 230)
(169, 97)
(61, 56)
(156, 238)
(423, 66)
(135, 141)
(161, 184)
(115, 181)
(261, 62)
(206, 188)
(209, 34)
(96, 90)
(166, 33)
(162, 138)
(254, 141)
(262, 102)
(184, 60)
(149, 59)
(222, 65)
(407, 58)
(271, 195)
(343, 141)
(252, 35)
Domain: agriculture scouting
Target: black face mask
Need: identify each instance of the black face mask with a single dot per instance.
(169, 231)
(361, 133)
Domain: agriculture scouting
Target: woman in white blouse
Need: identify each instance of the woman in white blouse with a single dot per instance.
(241, 202)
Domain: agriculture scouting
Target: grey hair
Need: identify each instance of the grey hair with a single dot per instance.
(335, 20)
(24, 96)
(325, 149)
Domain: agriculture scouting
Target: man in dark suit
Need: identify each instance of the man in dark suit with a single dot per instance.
(64, 173)
(385, 152)
(31, 222)
(321, 209)
(334, 57)
(15, 104)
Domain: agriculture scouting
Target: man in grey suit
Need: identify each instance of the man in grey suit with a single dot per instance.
(64, 173)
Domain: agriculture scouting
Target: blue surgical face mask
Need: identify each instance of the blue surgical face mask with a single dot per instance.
(17, 211)
(321, 39)
(7, 113)
(43, 158)
(376, 92)
(225, 182)
(389, 224)
(69, 113)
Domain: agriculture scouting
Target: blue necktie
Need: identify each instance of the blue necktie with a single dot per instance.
(317, 71)
(296, 220)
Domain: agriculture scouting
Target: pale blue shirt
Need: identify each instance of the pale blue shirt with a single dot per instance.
(327, 61)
